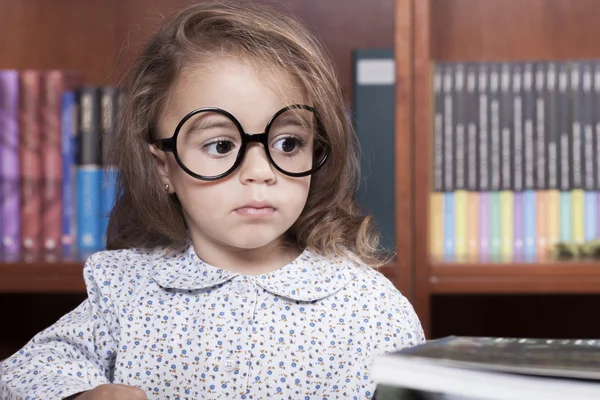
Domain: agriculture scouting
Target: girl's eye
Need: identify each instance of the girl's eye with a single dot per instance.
(287, 144)
(220, 147)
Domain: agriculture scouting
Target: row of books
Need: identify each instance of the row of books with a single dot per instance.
(57, 187)
(516, 158)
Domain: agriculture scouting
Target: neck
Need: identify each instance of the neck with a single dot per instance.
(255, 261)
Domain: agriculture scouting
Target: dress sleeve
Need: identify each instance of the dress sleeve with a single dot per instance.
(73, 355)
(404, 320)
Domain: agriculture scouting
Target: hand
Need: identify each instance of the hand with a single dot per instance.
(113, 392)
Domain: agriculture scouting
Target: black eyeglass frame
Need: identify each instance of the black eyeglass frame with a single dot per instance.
(170, 144)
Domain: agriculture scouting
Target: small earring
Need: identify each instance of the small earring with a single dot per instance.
(167, 187)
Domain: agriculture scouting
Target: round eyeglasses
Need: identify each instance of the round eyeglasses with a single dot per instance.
(209, 143)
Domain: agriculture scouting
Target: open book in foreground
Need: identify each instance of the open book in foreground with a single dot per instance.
(496, 368)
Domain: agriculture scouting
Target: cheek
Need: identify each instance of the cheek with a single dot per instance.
(296, 191)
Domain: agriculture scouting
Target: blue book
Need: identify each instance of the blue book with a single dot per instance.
(591, 215)
(89, 173)
(69, 147)
(109, 99)
(530, 222)
(89, 211)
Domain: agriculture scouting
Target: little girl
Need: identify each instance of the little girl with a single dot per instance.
(239, 266)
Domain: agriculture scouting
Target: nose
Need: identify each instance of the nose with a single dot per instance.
(256, 167)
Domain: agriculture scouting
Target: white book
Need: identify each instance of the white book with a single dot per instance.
(496, 368)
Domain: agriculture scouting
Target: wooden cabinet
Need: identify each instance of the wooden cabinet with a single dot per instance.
(494, 30)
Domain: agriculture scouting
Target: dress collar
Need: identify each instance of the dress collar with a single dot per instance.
(309, 277)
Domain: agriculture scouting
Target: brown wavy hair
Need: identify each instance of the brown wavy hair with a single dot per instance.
(146, 216)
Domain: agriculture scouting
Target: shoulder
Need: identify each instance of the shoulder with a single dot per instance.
(118, 272)
(122, 262)
(379, 299)
(369, 281)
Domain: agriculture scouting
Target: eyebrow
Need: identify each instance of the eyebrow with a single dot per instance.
(202, 124)
(293, 120)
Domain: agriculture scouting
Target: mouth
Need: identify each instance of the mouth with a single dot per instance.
(256, 209)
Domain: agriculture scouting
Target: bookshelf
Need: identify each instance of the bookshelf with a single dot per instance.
(42, 277)
(495, 30)
(101, 38)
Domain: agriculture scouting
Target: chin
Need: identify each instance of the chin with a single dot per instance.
(252, 239)
(251, 244)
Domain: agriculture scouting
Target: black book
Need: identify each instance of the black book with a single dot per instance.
(448, 84)
(506, 128)
(552, 125)
(89, 146)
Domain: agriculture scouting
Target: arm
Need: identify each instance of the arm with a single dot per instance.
(74, 355)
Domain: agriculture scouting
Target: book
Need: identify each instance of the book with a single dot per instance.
(373, 118)
(496, 368)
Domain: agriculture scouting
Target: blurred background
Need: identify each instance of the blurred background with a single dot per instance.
(479, 123)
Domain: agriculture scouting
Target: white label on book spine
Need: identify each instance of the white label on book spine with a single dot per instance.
(376, 72)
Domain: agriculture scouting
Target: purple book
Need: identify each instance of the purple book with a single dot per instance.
(519, 228)
(9, 165)
(598, 213)
(484, 227)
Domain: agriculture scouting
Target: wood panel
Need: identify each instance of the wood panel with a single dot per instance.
(514, 29)
(42, 277)
(67, 34)
(403, 273)
(101, 37)
(421, 164)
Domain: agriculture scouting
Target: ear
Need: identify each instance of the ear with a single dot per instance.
(160, 157)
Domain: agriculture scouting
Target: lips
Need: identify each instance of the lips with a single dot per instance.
(256, 208)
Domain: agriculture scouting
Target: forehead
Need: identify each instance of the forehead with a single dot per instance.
(236, 86)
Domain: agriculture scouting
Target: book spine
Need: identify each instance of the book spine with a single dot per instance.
(589, 145)
(577, 179)
(483, 161)
(518, 162)
(529, 194)
(596, 121)
(51, 164)
(108, 98)
(506, 162)
(519, 226)
(495, 167)
(436, 206)
(449, 217)
(55, 83)
(541, 161)
(436, 226)
(69, 144)
(30, 164)
(472, 164)
(552, 162)
(564, 172)
(460, 158)
(89, 173)
(10, 201)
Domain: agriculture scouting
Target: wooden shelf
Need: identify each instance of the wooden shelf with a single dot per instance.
(499, 278)
(42, 277)
(473, 30)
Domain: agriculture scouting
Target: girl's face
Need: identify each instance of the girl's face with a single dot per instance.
(255, 205)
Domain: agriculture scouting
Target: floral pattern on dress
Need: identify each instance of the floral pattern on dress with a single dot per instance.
(178, 328)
